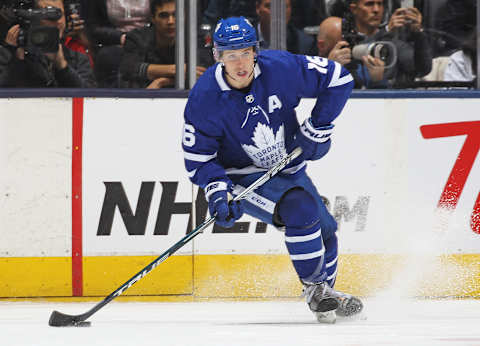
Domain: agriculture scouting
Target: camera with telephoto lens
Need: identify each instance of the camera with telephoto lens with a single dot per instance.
(33, 35)
(384, 50)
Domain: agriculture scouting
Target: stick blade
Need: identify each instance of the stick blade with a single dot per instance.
(58, 319)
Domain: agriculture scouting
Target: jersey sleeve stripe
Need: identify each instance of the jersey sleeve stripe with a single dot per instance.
(336, 80)
(199, 157)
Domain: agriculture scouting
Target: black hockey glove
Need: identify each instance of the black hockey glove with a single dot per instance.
(226, 212)
(314, 141)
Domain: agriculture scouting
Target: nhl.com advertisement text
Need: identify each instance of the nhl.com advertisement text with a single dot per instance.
(388, 173)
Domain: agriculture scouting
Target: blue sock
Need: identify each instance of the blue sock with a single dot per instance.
(307, 252)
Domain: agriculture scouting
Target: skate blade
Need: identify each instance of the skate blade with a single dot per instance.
(326, 317)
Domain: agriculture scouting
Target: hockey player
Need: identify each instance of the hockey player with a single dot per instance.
(240, 120)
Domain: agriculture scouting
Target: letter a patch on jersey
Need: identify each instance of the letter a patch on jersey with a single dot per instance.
(274, 103)
(268, 148)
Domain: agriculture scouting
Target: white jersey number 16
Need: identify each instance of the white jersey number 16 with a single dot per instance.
(317, 63)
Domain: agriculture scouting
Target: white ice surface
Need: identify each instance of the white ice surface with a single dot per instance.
(279, 323)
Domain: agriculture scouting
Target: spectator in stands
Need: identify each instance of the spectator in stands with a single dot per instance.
(414, 50)
(297, 41)
(108, 23)
(462, 65)
(149, 58)
(34, 68)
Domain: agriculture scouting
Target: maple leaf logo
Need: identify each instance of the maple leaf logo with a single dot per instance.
(268, 148)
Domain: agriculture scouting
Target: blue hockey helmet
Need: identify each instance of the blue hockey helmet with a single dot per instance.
(233, 33)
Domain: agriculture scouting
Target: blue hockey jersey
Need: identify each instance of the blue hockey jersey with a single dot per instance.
(228, 132)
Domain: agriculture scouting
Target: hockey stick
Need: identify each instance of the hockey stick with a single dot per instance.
(58, 319)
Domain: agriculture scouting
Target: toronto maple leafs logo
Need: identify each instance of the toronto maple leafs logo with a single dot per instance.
(268, 148)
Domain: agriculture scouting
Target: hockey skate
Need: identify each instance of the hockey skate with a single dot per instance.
(326, 303)
(320, 301)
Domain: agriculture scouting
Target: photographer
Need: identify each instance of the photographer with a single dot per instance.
(30, 65)
(362, 25)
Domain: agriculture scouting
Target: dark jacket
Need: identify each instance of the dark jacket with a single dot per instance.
(36, 71)
(141, 50)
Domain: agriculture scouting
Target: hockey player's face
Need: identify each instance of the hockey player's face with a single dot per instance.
(239, 65)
